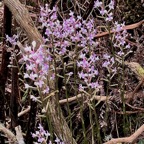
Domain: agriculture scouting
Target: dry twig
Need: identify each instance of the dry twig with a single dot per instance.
(74, 98)
(127, 27)
(129, 139)
(19, 136)
(8, 134)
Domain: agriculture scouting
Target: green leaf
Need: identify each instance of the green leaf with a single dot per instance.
(141, 142)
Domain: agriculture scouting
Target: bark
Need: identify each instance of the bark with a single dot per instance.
(23, 18)
(14, 99)
(4, 66)
(57, 119)
(31, 122)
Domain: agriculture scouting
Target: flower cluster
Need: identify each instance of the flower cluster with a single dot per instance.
(120, 38)
(72, 31)
(88, 69)
(43, 136)
(62, 34)
(37, 66)
(102, 9)
(12, 40)
(78, 34)
(108, 60)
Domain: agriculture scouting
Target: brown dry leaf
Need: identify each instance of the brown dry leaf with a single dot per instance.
(137, 69)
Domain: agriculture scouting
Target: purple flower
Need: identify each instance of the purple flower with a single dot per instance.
(25, 58)
(45, 68)
(57, 140)
(34, 135)
(12, 40)
(70, 73)
(97, 4)
(94, 85)
(28, 48)
(90, 24)
(82, 55)
(106, 56)
(112, 60)
(81, 88)
(105, 64)
(83, 30)
(61, 142)
(48, 32)
(41, 135)
(33, 76)
(110, 17)
(46, 90)
(40, 127)
(27, 86)
(71, 13)
(111, 5)
(120, 53)
(103, 11)
(53, 17)
(33, 98)
(52, 77)
(118, 27)
(128, 46)
(39, 83)
(81, 75)
(30, 66)
(114, 70)
(122, 42)
(84, 63)
(62, 51)
(93, 71)
(26, 75)
(41, 139)
(93, 57)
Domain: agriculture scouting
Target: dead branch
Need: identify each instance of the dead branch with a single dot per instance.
(8, 134)
(74, 98)
(23, 18)
(133, 107)
(18, 139)
(79, 96)
(19, 135)
(129, 139)
(127, 27)
(128, 112)
(24, 111)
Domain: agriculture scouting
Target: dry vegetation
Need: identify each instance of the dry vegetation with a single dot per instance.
(116, 110)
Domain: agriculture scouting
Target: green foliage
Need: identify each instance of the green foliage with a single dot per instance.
(141, 141)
